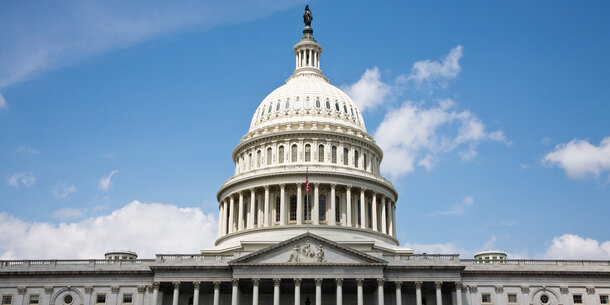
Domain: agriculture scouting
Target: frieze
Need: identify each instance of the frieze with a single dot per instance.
(306, 254)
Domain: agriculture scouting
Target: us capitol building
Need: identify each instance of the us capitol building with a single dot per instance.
(331, 241)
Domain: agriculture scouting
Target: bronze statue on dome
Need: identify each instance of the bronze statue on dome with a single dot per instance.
(307, 16)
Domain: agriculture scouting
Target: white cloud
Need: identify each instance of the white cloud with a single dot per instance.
(146, 228)
(369, 91)
(3, 103)
(581, 159)
(42, 36)
(24, 178)
(570, 246)
(458, 208)
(414, 134)
(446, 248)
(105, 183)
(27, 150)
(62, 191)
(67, 213)
(448, 68)
(490, 244)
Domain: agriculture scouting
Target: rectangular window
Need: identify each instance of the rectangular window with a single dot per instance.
(7, 299)
(577, 299)
(512, 298)
(127, 299)
(603, 299)
(334, 154)
(486, 298)
(34, 299)
(100, 299)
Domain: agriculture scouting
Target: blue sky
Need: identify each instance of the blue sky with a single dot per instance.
(117, 121)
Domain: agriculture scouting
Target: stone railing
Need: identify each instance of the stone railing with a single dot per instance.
(536, 262)
(422, 257)
(191, 258)
(72, 264)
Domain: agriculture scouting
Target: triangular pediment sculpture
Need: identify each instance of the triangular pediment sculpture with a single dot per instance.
(307, 248)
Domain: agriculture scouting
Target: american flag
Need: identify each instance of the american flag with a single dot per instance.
(307, 181)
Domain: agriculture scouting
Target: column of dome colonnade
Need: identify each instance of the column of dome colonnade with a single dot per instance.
(236, 290)
(288, 204)
(307, 125)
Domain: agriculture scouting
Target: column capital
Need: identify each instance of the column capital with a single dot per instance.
(176, 285)
(276, 282)
(339, 281)
(564, 289)
(155, 285)
(525, 289)
(252, 189)
(114, 289)
(89, 289)
(398, 284)
(283, 185)
(348, 187)
(363, 189)
(418, 284)
(267, 187)
(316, 184)
(474, 289)
(150, 288)
(196, 284)
(297, 281)
(499, 289)
(590, 289)
(256, 281)
(333, 185)
(359, 281)
(216, 284)
(21, 290)
(49, 289)
(234, 282)
(380, 281)
(438, 284)
(298, 184)
(318, 281)
(458, 285)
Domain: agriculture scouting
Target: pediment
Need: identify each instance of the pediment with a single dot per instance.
(307, 248)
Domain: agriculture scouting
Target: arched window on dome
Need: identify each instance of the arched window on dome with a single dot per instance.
(327, 105)
(293, 208)
(307, 153)
(307, 208)
(269, 155)
(263, 111)
(287, 105)
(334, 154)
(318, 103)
(322, 207)
(293, 153)
(356, 159)
(277, 107)
(269, 110)
(321, 153)
(277, 209)
(280, 155)
(345, 109)
(337, 106)
(337, 209)
(258, 158)
(250, 161)
(366, 163)
(352, 110)
(345, 156)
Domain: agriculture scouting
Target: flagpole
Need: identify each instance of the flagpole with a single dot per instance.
(308, 212)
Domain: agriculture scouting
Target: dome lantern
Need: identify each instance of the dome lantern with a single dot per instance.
(307, 51)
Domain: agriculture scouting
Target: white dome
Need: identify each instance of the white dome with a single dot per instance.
(307, 97)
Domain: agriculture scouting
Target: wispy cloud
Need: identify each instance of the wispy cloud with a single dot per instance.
(26, 179)
(105, 183)
(458, 208)
(581, 159)
(26, 150)
(67, 213)
(437, 71)
(3, 103)
(62, 191)
(146, 228)
(40, 36)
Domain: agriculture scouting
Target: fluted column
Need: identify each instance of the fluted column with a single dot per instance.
(391, 218)
(398, 293)
(276, 291)
(282, 204)
(220, 208)
(216, 293)
(255, 283)
(231, 214)
(196, 285)
(235, 292)
(360, 293)
(318, 291)
(458, 293)
(439, 295)
(362, 208)
(297, 291)
(339, 292)
(332, 218)
(384, 224)
(316, 204)
(225, 216)
(374, 211)
(299, 204)
(155, 296)
(380, 292)
(418, 293)
(176, 293)
(252, 210)
(348, 198)
(267, 214)
(240, 212)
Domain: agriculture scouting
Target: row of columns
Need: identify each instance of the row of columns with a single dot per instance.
(307, 57)
(297, 292)
(231, 222)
